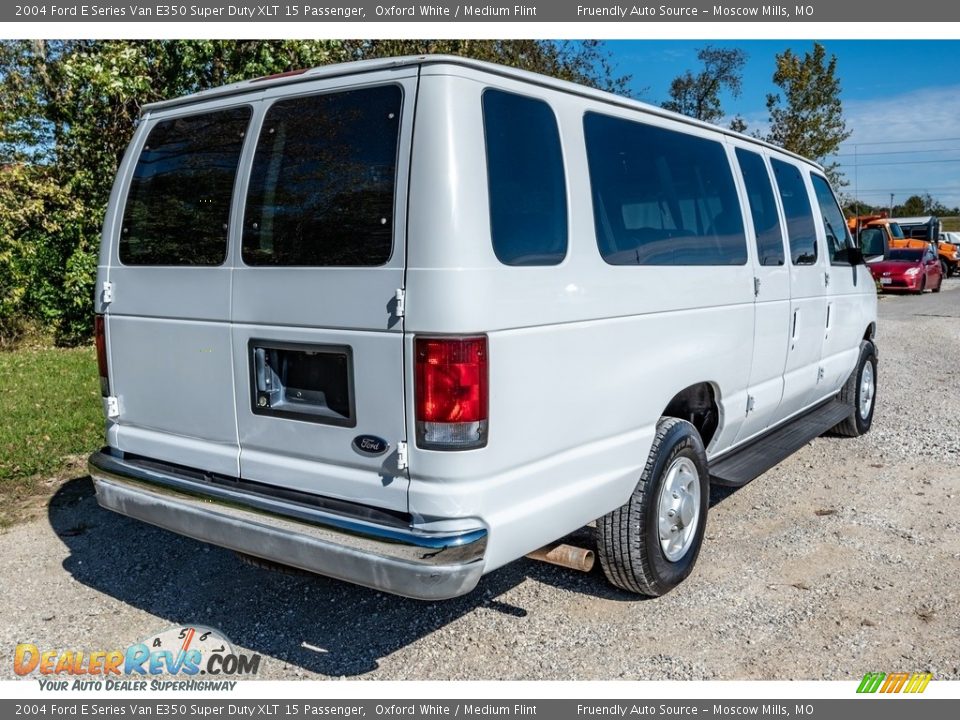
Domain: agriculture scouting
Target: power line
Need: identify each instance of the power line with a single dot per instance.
(903, 142)
(915, 188)
(893, 152)
(899, 162)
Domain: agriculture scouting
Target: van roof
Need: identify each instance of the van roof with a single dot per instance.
(362, 66)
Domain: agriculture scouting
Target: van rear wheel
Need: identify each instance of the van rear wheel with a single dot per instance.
(650, 544)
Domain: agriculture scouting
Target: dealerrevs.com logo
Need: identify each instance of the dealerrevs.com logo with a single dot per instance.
(179, 658)
(910, 683)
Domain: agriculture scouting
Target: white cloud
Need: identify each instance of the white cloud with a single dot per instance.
(906, 139)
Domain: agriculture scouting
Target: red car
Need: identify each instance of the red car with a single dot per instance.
(910, 269)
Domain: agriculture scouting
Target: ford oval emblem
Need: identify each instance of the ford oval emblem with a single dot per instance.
(370, 445)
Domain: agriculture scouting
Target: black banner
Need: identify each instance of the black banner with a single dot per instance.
(579, 11)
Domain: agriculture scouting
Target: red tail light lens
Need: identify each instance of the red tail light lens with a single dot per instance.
(451, 392)
(100, 340)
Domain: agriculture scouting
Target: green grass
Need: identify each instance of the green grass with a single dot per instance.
(50, 413)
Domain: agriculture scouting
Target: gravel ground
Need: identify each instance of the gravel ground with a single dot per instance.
(843, 559)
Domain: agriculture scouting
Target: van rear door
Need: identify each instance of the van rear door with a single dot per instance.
(169, 269)
(317, 291)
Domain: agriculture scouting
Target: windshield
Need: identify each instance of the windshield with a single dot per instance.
(908, 255)
(895, 230)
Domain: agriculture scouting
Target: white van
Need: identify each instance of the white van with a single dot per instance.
(401, 322)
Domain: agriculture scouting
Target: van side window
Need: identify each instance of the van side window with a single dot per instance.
(322, 183)
(525, 180)
(834, 223)
(801, 230)
(178, 204)
(763, 208)
(661, 197)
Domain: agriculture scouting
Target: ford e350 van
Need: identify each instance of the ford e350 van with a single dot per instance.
(401, 322)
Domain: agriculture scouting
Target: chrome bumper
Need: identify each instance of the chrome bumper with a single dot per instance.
(395, 559)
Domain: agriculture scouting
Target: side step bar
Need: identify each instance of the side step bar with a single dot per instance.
(744, 464)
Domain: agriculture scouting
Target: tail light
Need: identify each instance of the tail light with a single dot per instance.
(100, 340)
(451, 392)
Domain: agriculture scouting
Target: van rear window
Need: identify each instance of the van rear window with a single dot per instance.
(322, 184)
(661, 197)
(525, 180)
(178, 204)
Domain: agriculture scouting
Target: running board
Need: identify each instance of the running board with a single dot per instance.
(744, 464)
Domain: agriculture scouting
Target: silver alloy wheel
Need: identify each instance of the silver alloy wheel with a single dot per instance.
(867, 390)
(679, 508)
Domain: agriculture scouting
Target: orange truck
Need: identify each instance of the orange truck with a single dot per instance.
(877, 234)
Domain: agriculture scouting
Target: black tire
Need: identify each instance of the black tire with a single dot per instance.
(944, 268)
(856, 424)
(628, 539)
(923, 286)
(939, 285)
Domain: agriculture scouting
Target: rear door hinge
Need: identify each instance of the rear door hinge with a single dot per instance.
(111, 407)
(401, 456)
(106, 293)
(751, 401)
(826, 279)
(756, 287)
(401, 297)
(819, 373)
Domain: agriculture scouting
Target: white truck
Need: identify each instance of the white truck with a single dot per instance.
(401, 322)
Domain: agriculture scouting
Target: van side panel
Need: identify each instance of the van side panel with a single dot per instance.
(584, 356)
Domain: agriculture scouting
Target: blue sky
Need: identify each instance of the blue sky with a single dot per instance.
(901, 99)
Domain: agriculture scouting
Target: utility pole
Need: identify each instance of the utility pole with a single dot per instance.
(891, 205)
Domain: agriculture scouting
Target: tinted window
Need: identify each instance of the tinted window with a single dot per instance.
(895, 230)
(872, 242)
(528, 201)
(763, 208)
(178, 204)
(321, 187)
(801, 230)
(661, 197)
(834, 223)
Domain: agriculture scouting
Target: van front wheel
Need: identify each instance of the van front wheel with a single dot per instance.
(859, 393)
(650, 544)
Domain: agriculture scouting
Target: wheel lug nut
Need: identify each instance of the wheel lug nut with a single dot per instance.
(671, 513)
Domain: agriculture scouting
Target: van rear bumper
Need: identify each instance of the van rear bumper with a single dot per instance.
(389, 557)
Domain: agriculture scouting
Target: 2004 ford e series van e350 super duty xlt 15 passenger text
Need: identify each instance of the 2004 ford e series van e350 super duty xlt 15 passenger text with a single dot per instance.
(401, 322)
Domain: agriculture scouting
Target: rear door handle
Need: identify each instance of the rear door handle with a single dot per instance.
(796, 328)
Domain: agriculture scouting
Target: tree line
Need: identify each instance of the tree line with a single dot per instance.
(68, 110)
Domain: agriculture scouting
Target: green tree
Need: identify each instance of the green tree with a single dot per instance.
(738, 124)
(808, 118)
(68, 110)
(699, 95)
(924, 204)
